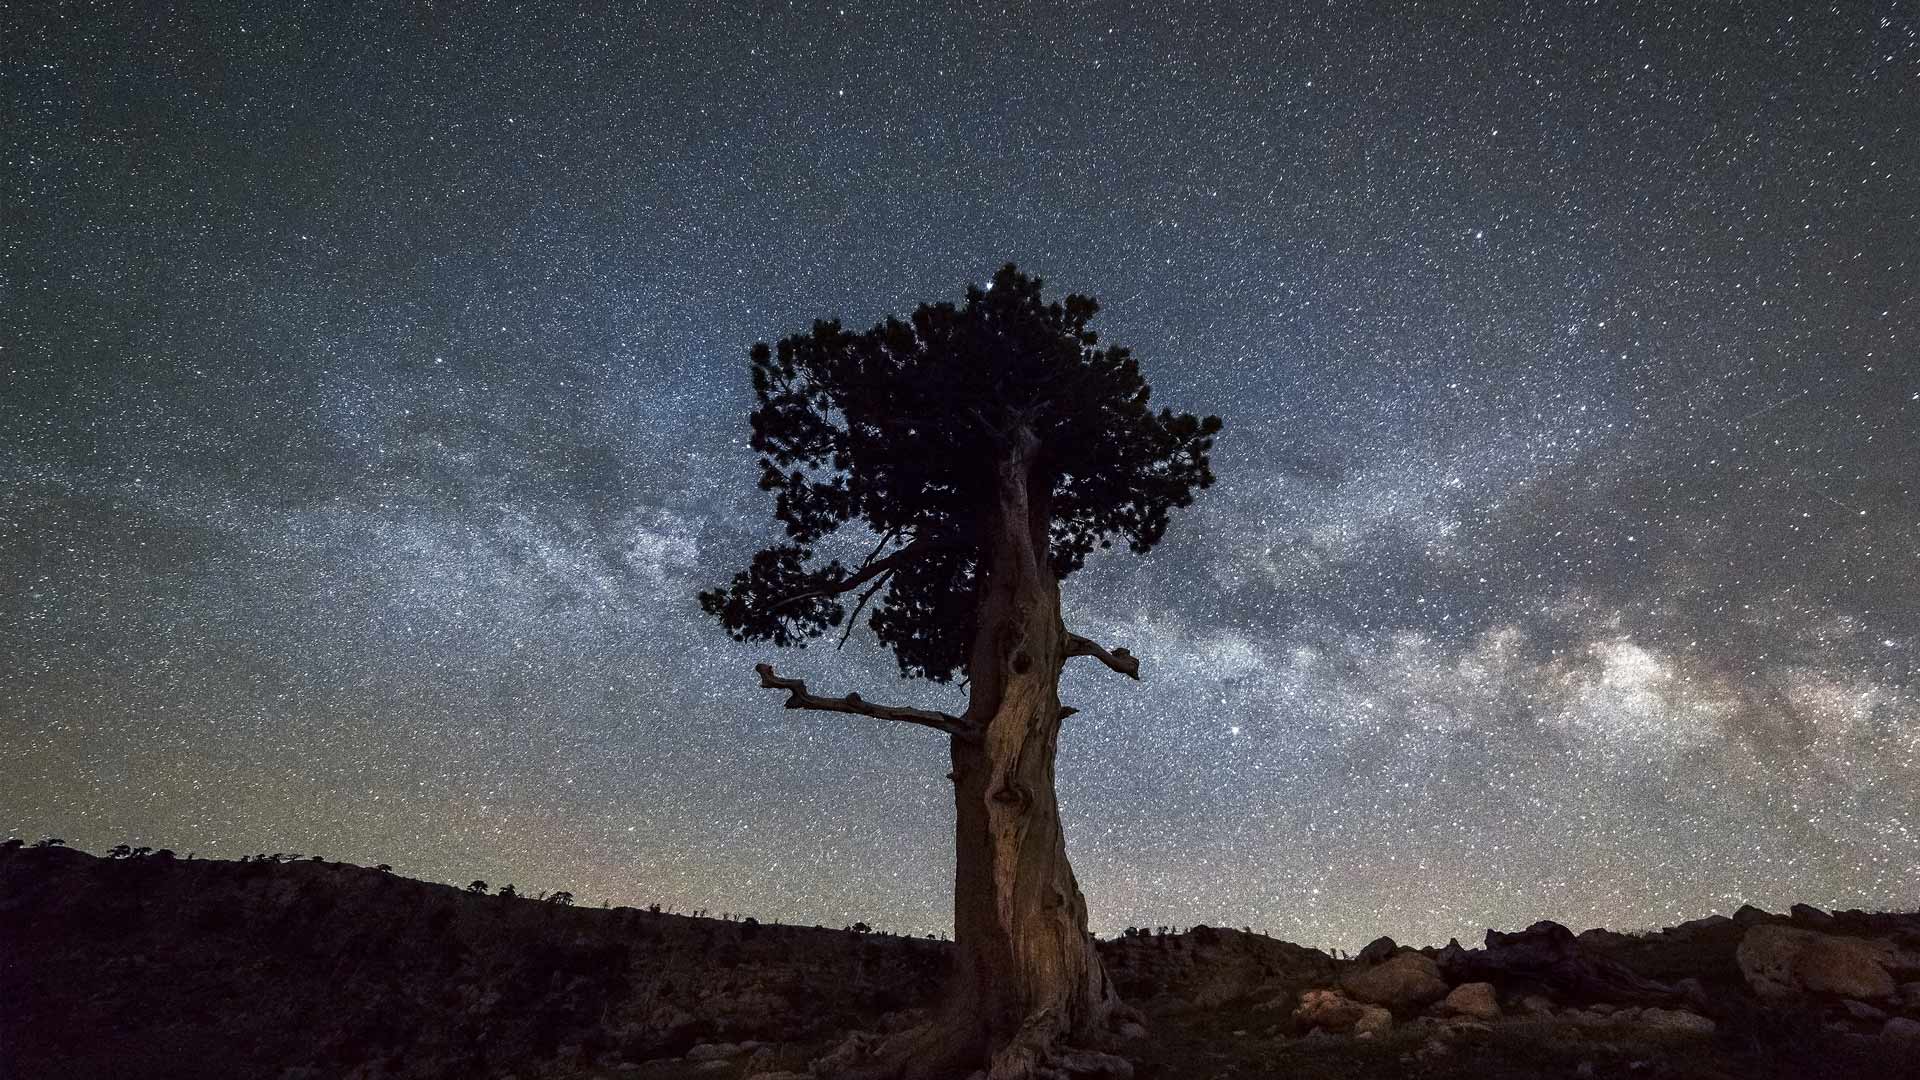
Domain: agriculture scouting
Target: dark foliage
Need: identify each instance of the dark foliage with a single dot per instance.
(898, 427)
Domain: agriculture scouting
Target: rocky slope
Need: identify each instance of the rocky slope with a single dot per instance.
(156, 967)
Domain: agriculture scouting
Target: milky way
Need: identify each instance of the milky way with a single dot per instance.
(374, 396)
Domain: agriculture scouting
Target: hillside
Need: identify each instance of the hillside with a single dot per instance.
(157, 967)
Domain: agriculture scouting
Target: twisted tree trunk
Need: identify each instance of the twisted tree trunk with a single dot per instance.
(1026, 978)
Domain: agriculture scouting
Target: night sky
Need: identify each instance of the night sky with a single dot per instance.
(373, 395)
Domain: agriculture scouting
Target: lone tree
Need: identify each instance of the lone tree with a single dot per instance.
(988, 448)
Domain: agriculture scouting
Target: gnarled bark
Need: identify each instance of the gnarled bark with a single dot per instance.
(1026, 980)
(1026, 977)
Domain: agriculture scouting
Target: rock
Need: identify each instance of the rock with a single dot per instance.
(1536, 1005)
(1812, 917)
(779, 1076)
(1546, 954)
(1131, 1030)
(1407, 980)
(855, 1049)
(1373, 1021)
(1327, 1010)
(1694, 928)
(1860, 1010)
(720, 1051)
(1901, 1028)
(1090, 1064)
(1675, 1020)
(1785, 961)
(1748, 915)
(1694, 993)
(1910, 995)
(1475, 1000)
(1276, 1003)
(1380, 948)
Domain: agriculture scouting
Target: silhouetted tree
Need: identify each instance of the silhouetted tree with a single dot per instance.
(507, 892)
(142, 852)
(987, 449)
(119, 851)
(384, 868)
(49, 841)
(478, 887)
(563, 897)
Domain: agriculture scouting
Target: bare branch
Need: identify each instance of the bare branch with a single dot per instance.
(1119, 660)
(861, 606)
(872, 569)
(799, 698)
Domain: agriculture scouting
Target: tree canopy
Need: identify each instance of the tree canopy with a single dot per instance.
(899, 427)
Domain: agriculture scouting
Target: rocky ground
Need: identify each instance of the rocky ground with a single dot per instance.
(153, 967)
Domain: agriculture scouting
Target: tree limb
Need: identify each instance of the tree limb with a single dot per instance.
(1119, 660)
(799, 698)
(872, 569)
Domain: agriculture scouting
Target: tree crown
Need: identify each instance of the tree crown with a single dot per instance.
(902, 427)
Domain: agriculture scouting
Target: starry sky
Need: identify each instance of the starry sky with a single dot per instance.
(373, 397)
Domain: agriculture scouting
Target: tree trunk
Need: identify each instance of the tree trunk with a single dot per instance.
(1026, 976)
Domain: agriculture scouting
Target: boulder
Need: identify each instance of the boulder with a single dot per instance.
(1373, 1020)
(1902, 1029)
(1408, 980)
(1863, 1012)
(1674, 1020)
(1694, 928)
(1474, 1000)
(1812, 917)
(1785, 961)
(720, 1051)
(1547, 956)
(1748, 915)
(1380, 948)
(1327, 1010)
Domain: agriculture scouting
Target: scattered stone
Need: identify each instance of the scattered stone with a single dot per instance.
(1783, 961)
(1674, 1020)
(1407, 980)
(1475, 1000)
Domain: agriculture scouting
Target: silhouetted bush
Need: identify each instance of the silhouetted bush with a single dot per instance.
(478, 888)
(563, 898)
(49, 841)
(507, 892)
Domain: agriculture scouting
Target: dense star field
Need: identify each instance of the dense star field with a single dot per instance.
(373, 394)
